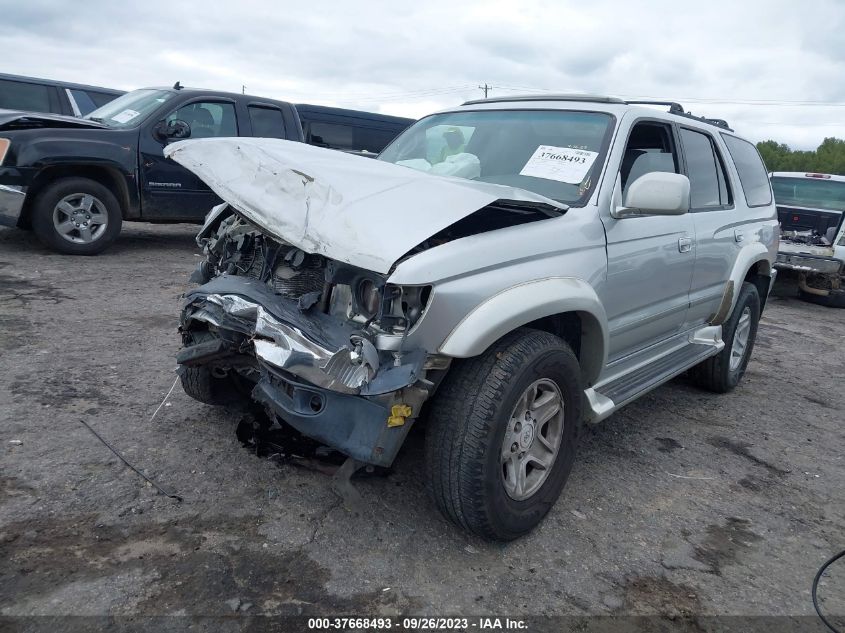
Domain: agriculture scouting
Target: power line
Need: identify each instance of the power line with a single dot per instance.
(705, 100)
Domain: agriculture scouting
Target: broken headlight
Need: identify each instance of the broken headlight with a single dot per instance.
(403, 306)
(367, 298)
(364, 297)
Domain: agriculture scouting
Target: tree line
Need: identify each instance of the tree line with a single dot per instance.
(827, 158)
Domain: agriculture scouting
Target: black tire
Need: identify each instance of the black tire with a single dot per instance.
(466, 429)
(46, 202)
(201, 384)
(715, 373)
(835, 298)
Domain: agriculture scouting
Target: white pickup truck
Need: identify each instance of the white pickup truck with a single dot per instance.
(811, 208)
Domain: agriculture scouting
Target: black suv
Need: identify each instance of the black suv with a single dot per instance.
(352, 131)
(47, 95)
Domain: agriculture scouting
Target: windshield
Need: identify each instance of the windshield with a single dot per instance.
(130, 109)
(816, 193)
(555, 153)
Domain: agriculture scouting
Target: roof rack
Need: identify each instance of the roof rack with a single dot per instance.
(548, 97)
(678, 109)
(674, 107)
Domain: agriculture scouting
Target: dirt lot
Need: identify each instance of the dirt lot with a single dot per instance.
(683, 503)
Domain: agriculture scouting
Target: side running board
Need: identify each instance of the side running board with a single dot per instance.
(606, 398)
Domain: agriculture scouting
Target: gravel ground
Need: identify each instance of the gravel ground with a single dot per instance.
(684, 503)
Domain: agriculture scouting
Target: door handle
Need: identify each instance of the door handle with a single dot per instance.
(684, 244)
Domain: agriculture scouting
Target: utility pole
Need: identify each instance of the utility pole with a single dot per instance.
(485, 88)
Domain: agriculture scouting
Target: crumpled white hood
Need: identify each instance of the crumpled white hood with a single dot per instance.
(357, 210)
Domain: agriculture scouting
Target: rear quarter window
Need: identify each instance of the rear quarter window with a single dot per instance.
(331, 135)
(373, 140)
(752, 173)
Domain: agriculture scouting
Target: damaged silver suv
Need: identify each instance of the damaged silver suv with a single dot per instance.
(504, 272)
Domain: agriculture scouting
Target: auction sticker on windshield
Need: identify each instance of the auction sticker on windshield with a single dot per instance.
(563, 164)
(126, 115)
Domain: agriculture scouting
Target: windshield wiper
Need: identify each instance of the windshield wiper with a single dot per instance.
(96, 118)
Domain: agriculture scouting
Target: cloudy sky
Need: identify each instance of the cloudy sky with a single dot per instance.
(772, 68)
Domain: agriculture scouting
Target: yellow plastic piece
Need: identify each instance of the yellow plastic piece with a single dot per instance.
(398, 413)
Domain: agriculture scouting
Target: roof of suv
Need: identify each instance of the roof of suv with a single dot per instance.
(612, 104)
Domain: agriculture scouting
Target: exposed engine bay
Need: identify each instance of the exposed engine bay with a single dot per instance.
(268, 315)
(809, 237)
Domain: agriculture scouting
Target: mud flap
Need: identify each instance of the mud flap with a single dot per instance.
(342, 485)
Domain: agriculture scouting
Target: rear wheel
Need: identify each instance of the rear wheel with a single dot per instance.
(722, 372)
(76, 216)
(501, 434)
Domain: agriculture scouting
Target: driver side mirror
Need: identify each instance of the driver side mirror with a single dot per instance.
(174, 130)
(656, 193)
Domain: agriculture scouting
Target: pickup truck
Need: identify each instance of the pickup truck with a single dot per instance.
(75, 180)
(811, 210)
(503, 271)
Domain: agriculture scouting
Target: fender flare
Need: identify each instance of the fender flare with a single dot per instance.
(750, 255)
(523, 303)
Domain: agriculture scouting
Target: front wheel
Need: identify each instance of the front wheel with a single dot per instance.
(501, 434)
(212, 386)
(722, 372)
(76, 216)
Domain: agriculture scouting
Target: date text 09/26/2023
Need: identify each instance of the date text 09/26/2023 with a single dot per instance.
(417, 624)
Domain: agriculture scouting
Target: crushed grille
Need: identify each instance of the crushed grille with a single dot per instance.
(308, 277)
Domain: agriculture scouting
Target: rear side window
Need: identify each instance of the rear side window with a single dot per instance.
(20, 95)
(708, 182)
(374, 140)
(752, 172)
(331, 135)
(267, 122)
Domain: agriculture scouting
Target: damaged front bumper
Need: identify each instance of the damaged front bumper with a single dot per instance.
(286, 347)
(316, 372)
